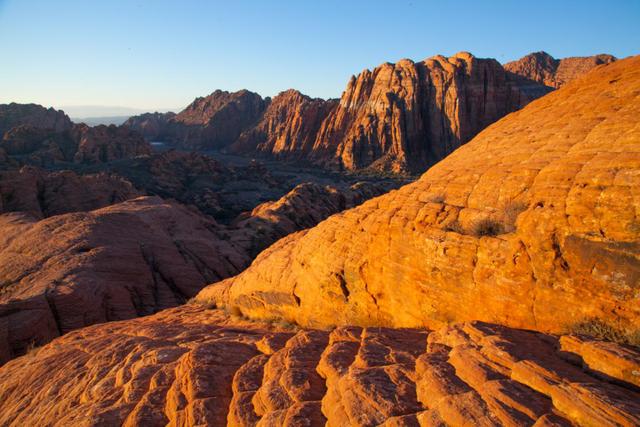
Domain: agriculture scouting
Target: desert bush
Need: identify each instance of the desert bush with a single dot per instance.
(455, 226)
(487, 227)
(210, 305)
(437, 198)
(510, 213)
(601, 330)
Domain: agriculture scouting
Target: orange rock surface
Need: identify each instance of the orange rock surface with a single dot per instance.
(195, 366)
(543, 68)
(533, 224)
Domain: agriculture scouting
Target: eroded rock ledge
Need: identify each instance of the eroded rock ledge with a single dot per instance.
(196, 366)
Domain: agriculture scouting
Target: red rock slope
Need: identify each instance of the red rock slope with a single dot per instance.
(192, 366)
(42, 194)
(543, 68)
(119, 262)
(533, 224)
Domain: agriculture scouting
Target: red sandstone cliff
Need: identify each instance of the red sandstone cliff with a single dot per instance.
(543, 68)
(287, 128)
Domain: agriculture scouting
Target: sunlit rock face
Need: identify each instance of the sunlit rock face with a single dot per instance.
(198, 366)
(532, 224)
(288, 128)
(406, 116)
(543, 68)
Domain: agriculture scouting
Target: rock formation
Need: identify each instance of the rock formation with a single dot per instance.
(131, 258)
(210, 122)
(152, 126)
(543, 68)
(407, 116)
(101, 144)
(193, 366)
(530, 225)
(12, 115)
(42, 194)
(79, 144)
(118, 262)
(288, 127)
(303, 207)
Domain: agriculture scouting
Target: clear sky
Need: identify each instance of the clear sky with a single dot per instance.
(161, 54)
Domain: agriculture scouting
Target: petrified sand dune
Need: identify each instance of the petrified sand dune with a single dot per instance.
(194, 366)
(129, 259)
(532, 224)
(115, 263)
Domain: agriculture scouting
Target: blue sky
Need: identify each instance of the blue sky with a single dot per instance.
(162, 54)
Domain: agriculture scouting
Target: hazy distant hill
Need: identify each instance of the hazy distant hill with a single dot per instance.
(106, 120)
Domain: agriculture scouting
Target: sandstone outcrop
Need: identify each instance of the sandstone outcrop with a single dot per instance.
(101, 144)
(152, 126)
(118, 262)
(131, 258)
(407, 116)
(543, 68)
(196, 366)
(79, 144)
(42, 194)
(211, 122)
(533, 224)
(40, 147)
(303, 207)
(288, 127)
(12, 115)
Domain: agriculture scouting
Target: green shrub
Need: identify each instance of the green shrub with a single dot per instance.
(601, 330)
(487, 227)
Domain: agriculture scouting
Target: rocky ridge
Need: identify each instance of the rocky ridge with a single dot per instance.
(12, 115)
(85, 265)
(287, 128)
(556, 243)
(211, 122)
(43, 194)
(543, 68)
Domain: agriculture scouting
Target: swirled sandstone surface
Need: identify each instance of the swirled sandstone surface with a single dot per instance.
(196, 366)
(535, 223)
(127, 260)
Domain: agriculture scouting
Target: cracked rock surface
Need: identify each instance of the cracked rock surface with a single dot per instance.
(197, 366)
